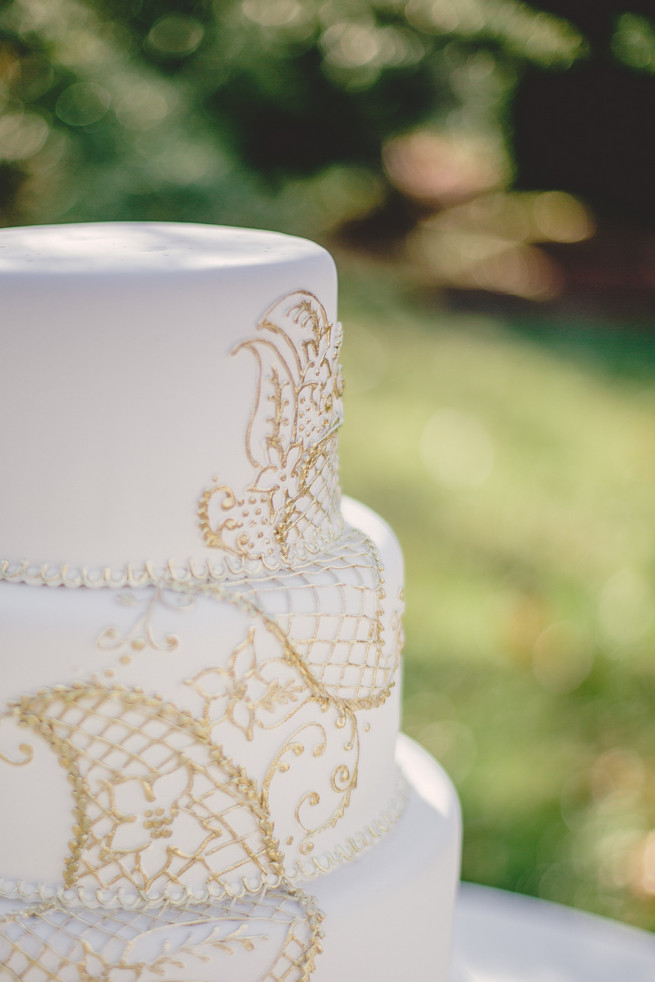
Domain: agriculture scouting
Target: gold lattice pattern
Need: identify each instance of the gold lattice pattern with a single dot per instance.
(293, 497)
(314, 636)
(53, 943)
(157, 805)
(330, 611)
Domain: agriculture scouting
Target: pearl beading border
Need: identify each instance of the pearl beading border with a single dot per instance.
(322, 865)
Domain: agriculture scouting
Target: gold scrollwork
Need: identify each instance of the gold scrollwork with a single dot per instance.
(342, 781)
(141, 634)
(246, 691)
(290, 439)
(26, 749)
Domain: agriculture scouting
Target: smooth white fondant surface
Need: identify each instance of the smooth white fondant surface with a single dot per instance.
(117, 359)
(388, 915)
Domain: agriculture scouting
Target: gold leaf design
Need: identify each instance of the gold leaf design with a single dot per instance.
(290, 441)
(51, 942)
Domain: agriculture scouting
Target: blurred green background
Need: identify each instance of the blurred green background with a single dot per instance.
(483, 172)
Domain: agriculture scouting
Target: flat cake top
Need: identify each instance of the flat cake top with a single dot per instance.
(138, 248)
(175, 395)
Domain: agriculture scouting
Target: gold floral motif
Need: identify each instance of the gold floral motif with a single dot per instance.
(242, 694)
(290, 441)
(51, 942)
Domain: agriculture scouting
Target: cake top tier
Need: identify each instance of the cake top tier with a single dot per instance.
(142, 249)
(171, 397)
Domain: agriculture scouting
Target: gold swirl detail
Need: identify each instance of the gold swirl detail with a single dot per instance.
(26, 749)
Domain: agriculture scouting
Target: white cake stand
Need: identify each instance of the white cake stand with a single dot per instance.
(502, 937)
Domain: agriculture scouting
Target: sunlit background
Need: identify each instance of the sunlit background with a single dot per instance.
(483, 170)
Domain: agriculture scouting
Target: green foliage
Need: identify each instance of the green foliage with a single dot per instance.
(225, 110)
(516, 467)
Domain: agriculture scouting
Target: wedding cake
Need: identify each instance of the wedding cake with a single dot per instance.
(200, 771)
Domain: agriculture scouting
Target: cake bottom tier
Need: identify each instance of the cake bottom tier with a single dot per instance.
(388, 914)
(384, 916)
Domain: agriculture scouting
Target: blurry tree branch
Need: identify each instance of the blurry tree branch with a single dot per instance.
(246, 111)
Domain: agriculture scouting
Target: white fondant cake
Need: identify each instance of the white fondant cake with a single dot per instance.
(199, 698)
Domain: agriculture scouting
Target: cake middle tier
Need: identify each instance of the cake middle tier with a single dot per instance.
(175, 742)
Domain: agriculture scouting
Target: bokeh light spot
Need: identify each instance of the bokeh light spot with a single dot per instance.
(634, 42)
(175, 36)
(436, 169)
(82, 104)
(142, 107)
(351, 45)
(21, 135)
(560, 217)
(272, 13)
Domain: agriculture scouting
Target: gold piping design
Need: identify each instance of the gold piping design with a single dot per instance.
(154, 798)
(50, 942)
(158, 806)
(290, 440)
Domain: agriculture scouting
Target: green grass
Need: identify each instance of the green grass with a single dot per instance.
(518, 470)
